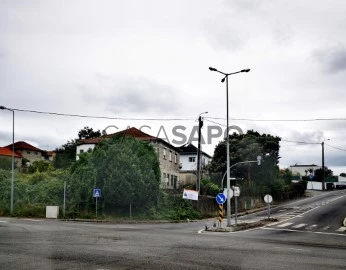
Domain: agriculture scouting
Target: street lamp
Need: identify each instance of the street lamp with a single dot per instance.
(227, 141)
(323, 174)
(12, 179)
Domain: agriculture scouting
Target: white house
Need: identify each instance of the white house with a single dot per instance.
(188, 163)
(304, 170)
(168, 155)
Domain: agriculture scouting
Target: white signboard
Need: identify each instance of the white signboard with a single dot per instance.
(190, 194)
(52, 211)
(268, 198)
(230, 192)
(236, 191)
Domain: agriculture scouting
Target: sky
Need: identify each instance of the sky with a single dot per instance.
(146, 64)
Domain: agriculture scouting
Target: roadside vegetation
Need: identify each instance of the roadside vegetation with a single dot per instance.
(127, 171)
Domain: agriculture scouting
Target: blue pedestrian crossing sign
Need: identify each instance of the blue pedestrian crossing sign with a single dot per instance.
(220, 198)
(97, 193)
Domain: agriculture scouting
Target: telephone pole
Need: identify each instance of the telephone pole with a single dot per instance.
(198, 173)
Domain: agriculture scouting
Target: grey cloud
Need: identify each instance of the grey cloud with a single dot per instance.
(333, 59)
(309, 137)
(133, 95)
(334, 159)
(5, 138)
(222, 36)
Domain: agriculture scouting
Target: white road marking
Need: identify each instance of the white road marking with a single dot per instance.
(299, 226)
(3, 221)
(298, 249)
(290, 230)
(285, 225)
(311, 227)
(326, 228)
(341, 229)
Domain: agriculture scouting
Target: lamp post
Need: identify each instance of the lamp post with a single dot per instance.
(12, 179)
(323, 173)
(227, 141)
(258, 161)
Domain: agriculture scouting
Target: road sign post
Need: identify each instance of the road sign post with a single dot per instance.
(268, 199)
(220, 199)
(236, 193)
(96, 194)
(220, 213)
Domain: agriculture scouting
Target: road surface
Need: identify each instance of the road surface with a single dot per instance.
(300, 240)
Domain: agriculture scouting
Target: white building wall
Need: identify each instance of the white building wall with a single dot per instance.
(301, 170)
(341, 179)
(312, 185)
(187, 165)
(84, 148)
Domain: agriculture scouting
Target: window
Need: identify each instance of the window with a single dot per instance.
(168, 178)
(192, 159)
(172, 180)
(170, 156)
(28, 152)
(81, 151)
(164, 178)
(175, 158)
(164, 153)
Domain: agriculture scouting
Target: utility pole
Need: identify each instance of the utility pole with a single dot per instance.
(323, 173)
(198, 173)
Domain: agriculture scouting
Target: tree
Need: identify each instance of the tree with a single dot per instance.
(126, 170)
(319, 174)
(39, 166)
(246, 147)
(87, 133)
(343, 174)
(5, 163)
(286, 175)
(66, 154)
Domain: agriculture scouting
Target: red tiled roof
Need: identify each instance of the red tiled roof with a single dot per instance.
(4, 151)
(24, 146)
(130, 132)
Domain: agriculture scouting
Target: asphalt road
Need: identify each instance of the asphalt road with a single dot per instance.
(53, 244)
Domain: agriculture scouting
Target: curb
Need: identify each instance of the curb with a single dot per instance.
(242, 226)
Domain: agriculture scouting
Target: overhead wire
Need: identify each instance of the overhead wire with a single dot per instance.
(102, 117)
(280, 120)
(206, 118)
(178, 119)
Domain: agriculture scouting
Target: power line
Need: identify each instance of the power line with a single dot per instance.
(280, 120)
(176, 119)
(214, 122)
(299, 142)
(336, 147)
(102, 117)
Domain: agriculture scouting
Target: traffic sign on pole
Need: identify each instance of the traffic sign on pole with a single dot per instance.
(220, 198)
(268, 199)
(230, 192)
(236, 191)
(220, 208)
(97, 193)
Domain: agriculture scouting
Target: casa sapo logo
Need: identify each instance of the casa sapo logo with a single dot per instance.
(180, 135)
